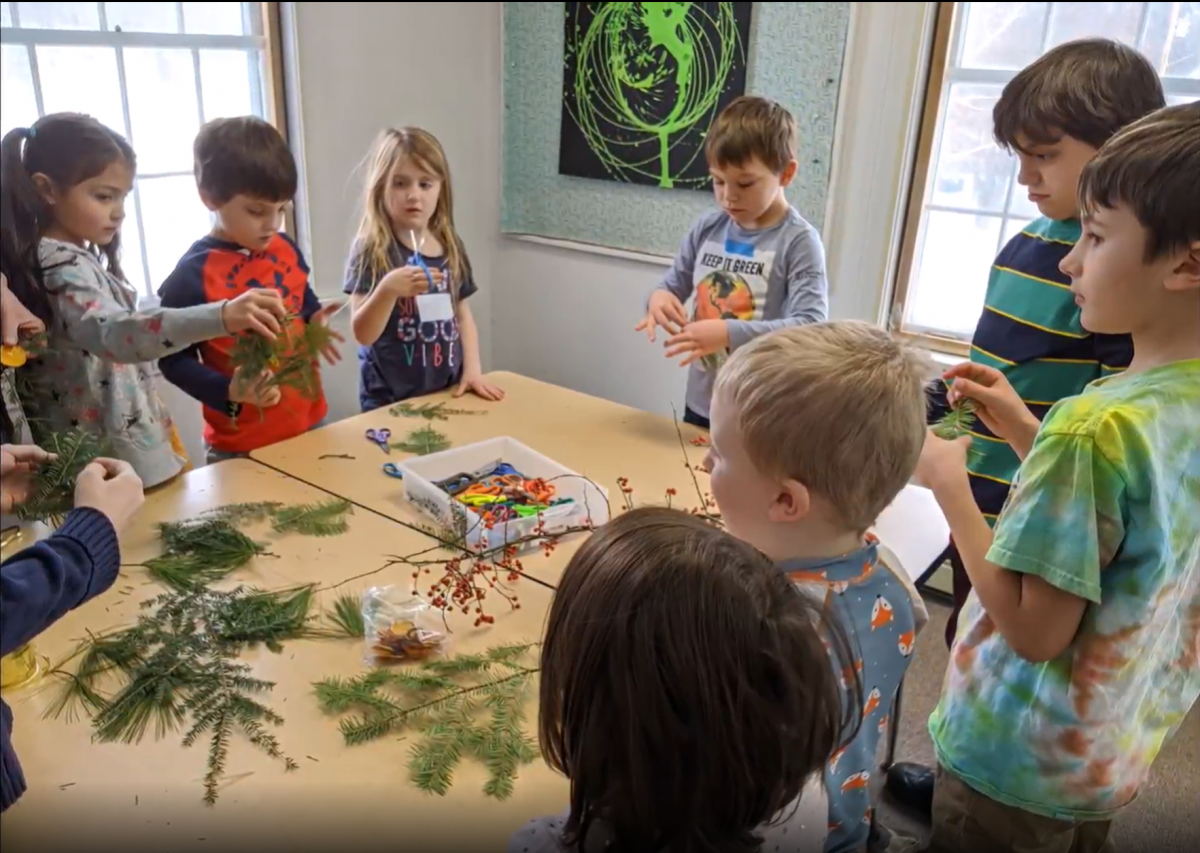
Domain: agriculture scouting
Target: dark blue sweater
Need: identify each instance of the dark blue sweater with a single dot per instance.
(37, 588)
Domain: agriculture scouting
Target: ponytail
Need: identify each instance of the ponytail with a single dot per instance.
(22, 212)
(68, 148)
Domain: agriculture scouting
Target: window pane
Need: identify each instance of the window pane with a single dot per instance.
(174, 219)
(1022, 207)
(82, 80)
(1172, 40)
(1118, 21)
(954, 260)
(131, 247)
(142, 17)
(1013, 227)
(1003, 35)
(224, 19)
(18, 107)
(225, 75)
(971, 170)
(60, 16)
(5, 15)
(1172, 100)
(162, 107)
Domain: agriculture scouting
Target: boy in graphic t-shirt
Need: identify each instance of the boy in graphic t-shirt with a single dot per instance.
(754, 265)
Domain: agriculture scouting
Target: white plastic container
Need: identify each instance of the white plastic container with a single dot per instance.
(422, 472)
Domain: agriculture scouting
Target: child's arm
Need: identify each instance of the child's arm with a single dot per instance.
(372, 300)
(665, 306)
(472, 377)
(807, 299)
(99, 324)
(1063, 524)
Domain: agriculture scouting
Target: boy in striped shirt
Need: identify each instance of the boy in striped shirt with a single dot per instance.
(1054, 115)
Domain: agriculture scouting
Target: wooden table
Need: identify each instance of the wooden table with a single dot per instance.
(149, 796)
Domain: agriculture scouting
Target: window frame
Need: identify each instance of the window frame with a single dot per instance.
(267, 97)
(944, 69)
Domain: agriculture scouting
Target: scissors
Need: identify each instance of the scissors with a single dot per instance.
(419, 261)
(457, 483)
(380, 437)
(391, 470)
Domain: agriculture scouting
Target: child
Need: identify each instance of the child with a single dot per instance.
(410, 279)
(65, 180)
(1077, 656)
(246, 176)
(815, 430)
(41, 584)
(1054, 114)
(754, 264)
(685, 692)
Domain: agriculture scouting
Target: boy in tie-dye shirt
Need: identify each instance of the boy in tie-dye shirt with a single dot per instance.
(1077, 657)
(815, 430)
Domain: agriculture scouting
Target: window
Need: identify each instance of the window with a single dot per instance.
(966, 203)
(154, 72)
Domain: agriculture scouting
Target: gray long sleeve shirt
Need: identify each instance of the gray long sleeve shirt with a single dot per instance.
(757, 281)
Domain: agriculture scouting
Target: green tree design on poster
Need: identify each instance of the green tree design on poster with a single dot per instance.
(642, 82)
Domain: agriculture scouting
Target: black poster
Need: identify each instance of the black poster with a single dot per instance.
(642, 82)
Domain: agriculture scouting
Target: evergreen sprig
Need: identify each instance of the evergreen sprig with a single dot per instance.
(465, 706)
(320, 519)
(178, 663)
(347, 616)
(422, 442)
(201, 552)
(430, 411)
(289, 360)
(957, 421)
(53, 487)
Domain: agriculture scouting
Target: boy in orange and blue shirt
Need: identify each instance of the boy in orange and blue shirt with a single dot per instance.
(246, 176)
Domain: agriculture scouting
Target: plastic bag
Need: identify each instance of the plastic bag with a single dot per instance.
(400, 627)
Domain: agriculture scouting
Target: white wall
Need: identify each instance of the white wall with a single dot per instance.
(567, 316)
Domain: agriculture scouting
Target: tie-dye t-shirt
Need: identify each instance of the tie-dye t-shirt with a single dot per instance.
(1105, 509)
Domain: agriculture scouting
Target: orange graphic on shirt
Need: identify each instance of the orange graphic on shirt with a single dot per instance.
(906, 642)
(835, 758)
(872, 701)
(883, 724)
(724, 296)
(849, 673)
(857, 782)
(881, 613)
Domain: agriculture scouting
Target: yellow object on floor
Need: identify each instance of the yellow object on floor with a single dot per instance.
(20, 668)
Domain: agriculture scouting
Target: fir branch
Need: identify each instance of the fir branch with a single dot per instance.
(461, 707)
(245, 513)
(430, 411)
(289, 360)
(179, 662)
(198, 553)
(53, 487)
(422, 442)
(346, 615)
(957, 421)
(322, 519)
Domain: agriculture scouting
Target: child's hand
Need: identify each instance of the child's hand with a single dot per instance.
(704, 337)
(411, 280)
(942, 462)
(254, 390)
(113, 488)
(329, 351)
(997, 403)
(480, 387)
(15, 319)
(259, 309)
(18, 464)
(664, 310)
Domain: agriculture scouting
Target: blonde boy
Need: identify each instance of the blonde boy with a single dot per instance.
(1079, 650)
(815, 430)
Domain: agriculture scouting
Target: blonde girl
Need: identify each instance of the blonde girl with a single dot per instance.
(65, 181)
(409, 278)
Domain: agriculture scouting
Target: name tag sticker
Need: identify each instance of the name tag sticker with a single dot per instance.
(435, 307)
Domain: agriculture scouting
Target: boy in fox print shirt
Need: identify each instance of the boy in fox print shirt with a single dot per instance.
(815, 430)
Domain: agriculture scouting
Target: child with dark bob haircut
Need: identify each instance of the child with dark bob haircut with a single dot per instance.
(686, 692)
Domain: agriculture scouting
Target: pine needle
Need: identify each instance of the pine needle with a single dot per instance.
(423, 441)
(469, 706)
(322, 519)
(957, 421)
(178, 662)
(429, 411)
(53, 487)
(198, 553)
(290, 360)
(347, 616)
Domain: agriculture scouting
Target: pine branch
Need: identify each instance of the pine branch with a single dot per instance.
(290, 360)
(53, 487)
(461, 707)
(198, 553)
(430, 411)
(322, 519)
(245, 513)
(179, 662)
(957, 421)
(347, 617)
(422, 442)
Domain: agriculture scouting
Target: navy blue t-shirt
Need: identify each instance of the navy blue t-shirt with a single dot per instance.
(410, 358)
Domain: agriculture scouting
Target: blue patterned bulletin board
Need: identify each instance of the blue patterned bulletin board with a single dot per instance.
(795, 57)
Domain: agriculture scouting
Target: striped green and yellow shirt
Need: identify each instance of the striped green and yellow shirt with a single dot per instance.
(1030, 331)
